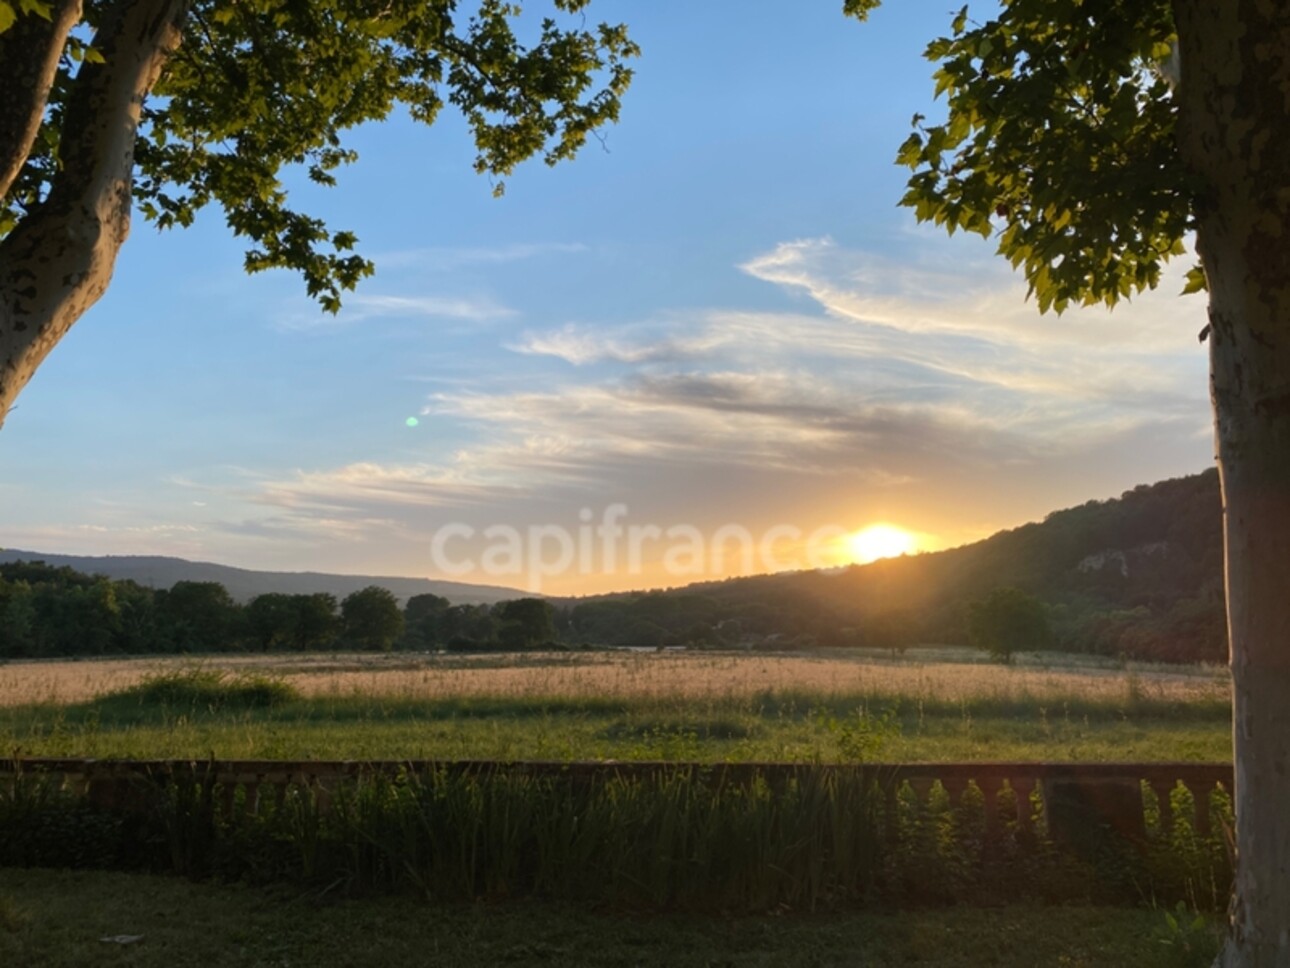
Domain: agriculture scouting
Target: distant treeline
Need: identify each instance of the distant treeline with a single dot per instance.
(46, 611)
(1140, 577)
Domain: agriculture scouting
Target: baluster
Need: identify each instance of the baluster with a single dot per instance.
(251, 784)
(1200, 794)
(281, 783)
(322, 797)
(1163, 789)
(990, 787)
(1022, 786)
(227, 796)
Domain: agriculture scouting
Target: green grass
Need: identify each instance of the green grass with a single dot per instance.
(772, 726)
(56, 920)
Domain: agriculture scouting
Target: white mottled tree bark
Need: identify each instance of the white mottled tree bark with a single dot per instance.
(1235, 134)
(58, 261)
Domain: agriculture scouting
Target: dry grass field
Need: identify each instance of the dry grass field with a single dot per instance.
(929, 704)
(943, 675)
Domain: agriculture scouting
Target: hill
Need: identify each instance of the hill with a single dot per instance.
(243, 584)
(1140, 575)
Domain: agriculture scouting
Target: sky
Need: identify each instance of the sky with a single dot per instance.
(712, 345)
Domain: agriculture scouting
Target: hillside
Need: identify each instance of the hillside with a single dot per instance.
(1139, 575)
(243, 584)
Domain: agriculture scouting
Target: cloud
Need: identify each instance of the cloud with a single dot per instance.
(979, 297)
(367, 484)
(930, 387)
(899, 375)
(445, 259)
(581, 345)
(362, 307)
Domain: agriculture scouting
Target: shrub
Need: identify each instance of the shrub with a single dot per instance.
(198, 688)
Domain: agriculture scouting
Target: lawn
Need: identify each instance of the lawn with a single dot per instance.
(927, 705)
(51, 919)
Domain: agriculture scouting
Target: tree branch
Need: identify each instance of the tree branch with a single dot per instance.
(59, 260)
(29, 55)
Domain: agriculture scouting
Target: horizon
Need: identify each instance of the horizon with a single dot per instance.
(720, 321)
(494, 585)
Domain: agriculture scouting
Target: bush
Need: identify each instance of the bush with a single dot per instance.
(200, 689)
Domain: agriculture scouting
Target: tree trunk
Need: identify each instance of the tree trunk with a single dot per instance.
(1234, 133)
(59, 260)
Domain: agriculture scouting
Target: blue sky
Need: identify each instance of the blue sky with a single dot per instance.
(720, 319)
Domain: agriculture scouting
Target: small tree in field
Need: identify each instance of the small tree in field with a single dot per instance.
(1008, 621)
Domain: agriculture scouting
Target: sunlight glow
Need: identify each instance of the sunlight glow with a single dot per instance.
(880, 541)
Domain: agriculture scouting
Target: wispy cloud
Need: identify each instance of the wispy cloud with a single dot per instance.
(368, 484)
(889, 387)
(982, 298)
(445, 259)
(580, 344)
(365, 306)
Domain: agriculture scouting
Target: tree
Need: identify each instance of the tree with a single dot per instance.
(1090, 139)
(1007, 621)
(525, 622)
(422, 617)
(198, 615)
(316, 622)
(467, 627)
(177, 104)
(271, 620)
(371, 618)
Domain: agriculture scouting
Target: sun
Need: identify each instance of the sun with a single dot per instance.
(880, 541)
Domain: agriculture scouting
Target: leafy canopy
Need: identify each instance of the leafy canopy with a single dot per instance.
(260, 87)
(1059, 141)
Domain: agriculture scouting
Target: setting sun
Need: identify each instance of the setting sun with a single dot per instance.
(880, 541)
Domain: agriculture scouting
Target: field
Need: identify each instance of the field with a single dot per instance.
(926, 705)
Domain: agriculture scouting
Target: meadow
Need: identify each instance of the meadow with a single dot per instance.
(925, 705)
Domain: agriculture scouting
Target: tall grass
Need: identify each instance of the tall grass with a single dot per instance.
(671, 838)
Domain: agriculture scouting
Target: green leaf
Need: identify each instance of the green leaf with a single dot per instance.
(911, 151)
(8, 16)
(859, 9)
(1058, 135)
(1196, 281)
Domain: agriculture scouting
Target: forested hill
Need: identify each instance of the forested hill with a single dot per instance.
(1139, 575)
(244, 584)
